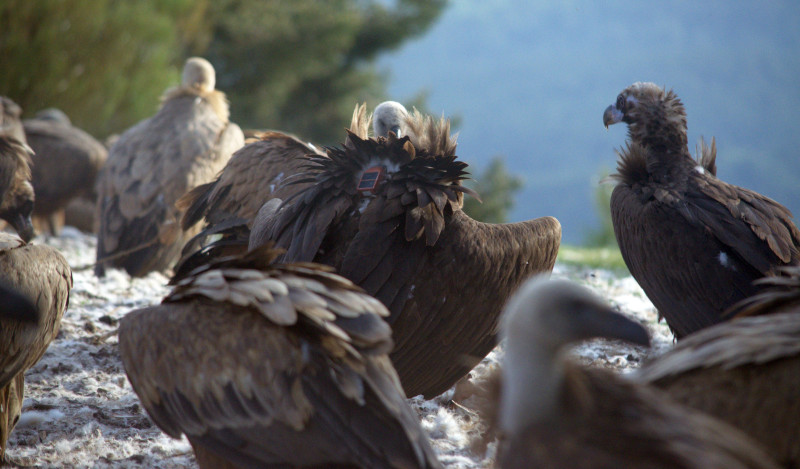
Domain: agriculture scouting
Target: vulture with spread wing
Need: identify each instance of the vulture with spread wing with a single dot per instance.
(154, 163)
(745, 371)
(273, 365)
(552, 412)
(16, 190)
(386, 213)
(42, 275)
(693, 242)
(256, 174)
(66, 161)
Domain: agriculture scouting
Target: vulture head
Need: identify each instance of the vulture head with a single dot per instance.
(654, 116)
(10, 122)
(198, 73)
(539, 320)
(389, 116)
(16, 190)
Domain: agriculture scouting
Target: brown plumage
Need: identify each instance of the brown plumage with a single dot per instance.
(42, 275)
(152, 164)
(554, 413)
(693, 242)
(10, 119)
(66, 161)
(256, 174)
(16, 190)
(443, 275)
(273, 365)
(746, 371)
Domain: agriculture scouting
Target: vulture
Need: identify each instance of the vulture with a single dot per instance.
(745, 371)
(386, 213)
(66, 161)
(256, 174)
(154, 163)
(16, 190)
(263, 364)
(41, 275)
(10, 120)
(693, 242)
(552, 412)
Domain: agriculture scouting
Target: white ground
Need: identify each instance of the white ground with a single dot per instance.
(80, 410)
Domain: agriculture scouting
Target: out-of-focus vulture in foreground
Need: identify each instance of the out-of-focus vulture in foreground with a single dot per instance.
(270, 365)
(746, 371)
(386, 213)
(65, 164)
(42, 275)
(553, 412)
(693, 242)
(16, 190)
(155, 162)
(256, 174)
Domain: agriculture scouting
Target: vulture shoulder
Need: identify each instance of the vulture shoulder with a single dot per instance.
(16, 190)
(263, 364)
(149, 168)
(41, 275)
(745, 372)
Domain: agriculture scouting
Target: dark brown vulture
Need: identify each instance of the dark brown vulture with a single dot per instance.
(386, 213)
(555, 413)
(746, 371)
(273, 365)
(42, 275)
(155, 162)
(16, 190)
(256, 174)
(693, 242)
(10, 120)
(66, 161)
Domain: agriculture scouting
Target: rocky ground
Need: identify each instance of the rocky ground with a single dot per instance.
(80, 410)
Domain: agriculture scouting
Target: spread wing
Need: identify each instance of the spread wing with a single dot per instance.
(149, 168)
(302, 374)
(42, 275)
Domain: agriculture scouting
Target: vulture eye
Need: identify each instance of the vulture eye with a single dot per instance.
(620, 102)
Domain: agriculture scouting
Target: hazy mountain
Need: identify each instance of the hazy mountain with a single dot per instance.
(530, 81)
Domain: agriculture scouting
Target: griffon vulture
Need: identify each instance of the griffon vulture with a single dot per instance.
(693, 242)
(155, 162)
(386, 213)
(42, 275)
(66, 161)
(273, 365)
(553, 412)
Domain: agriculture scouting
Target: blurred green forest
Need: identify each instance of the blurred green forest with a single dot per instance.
(300, 65)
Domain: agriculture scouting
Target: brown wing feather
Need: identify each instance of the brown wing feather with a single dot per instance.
(149, 168)
(313, 388)
(745, 372)
(607, 422)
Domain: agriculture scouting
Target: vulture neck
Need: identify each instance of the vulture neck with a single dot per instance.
(663, 135)
(533, 375)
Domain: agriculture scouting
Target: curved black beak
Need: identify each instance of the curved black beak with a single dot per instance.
(612, 115)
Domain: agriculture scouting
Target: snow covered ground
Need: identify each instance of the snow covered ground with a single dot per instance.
(80, 410)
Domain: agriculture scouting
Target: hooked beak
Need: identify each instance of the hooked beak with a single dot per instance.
(608, 323)
(23, 225)
(611, 116)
